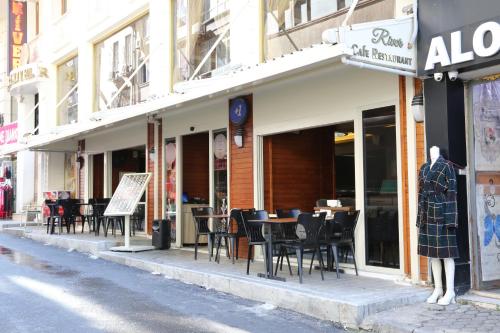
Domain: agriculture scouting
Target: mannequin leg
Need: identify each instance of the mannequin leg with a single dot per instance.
(449, 269)
(438, 281)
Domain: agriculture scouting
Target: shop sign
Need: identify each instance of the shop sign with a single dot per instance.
(238, 111)
(17, 33)
(485, 43)
(382, 43)
(8, 134)
(27, 73)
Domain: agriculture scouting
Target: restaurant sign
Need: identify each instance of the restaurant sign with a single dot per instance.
(27, 75)
(17, 33)
(384, 44)
(8, 134)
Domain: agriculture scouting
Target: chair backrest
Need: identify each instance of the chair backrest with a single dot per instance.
(201, 223)
(75, 207)
(236, 217)
(67, 206)
(310, 226)
(254, 229)
(321, 203)
(284, 213)
(346, 222)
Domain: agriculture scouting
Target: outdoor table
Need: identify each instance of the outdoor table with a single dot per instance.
(335, 209)
(267, 226)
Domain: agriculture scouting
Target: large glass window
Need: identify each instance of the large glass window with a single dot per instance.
(199, 26)
(170, 185)
(220, 171)
(381, 191)
(67, 78)
(122, 67)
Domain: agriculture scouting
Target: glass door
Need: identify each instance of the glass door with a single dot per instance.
(170, 185)
(381, 190)
(220, 171)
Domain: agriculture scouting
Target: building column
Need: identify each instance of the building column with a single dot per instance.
(445, 128)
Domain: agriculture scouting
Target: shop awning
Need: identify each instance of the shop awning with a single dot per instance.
(186, 93)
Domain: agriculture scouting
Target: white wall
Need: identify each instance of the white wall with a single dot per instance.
(121, 137)
(55, 172)
(25, 190)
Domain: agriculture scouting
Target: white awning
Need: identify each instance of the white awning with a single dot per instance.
(189, 92)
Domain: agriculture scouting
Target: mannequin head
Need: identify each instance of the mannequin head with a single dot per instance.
(434, 153)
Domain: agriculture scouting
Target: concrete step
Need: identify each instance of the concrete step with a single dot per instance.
(482, 299)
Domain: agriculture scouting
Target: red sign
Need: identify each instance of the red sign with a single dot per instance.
(8, 134)
(17, 32)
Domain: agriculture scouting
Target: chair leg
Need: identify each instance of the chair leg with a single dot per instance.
(299, 261)
(227, 247)
(320, 260)
(83, 223)
(354, 259)
(233, 241)
(249, 256)
(210, 247)
(336, 258)
(266, 263)
(312, 260)
(278, 261)
(218, 241)
(288, 262)
(237, 247)
(196, 247)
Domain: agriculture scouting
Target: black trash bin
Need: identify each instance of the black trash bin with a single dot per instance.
(161, 234)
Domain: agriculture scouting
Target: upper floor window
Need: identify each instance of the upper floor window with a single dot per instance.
(200, 25)
(67, 92)
(282, 16)
(122, 67)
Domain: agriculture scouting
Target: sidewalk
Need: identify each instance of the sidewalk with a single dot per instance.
(354, 301)
(432, 318)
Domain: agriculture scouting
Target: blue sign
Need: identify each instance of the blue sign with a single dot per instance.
(238, 111)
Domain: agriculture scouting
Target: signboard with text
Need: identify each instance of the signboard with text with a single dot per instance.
(8, 134)
(17, 33)
(382, 43)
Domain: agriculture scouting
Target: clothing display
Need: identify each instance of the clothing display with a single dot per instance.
(6, 197)
(437, 210)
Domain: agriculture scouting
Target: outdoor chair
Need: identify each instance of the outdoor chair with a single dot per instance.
(68, 206)
(254, 234)
(285, 234)
(340, 234)
(98, 209)
(87, 216)
(137, 219)
(201, 228)
(309, 228)
(53, 215)
(236, 230)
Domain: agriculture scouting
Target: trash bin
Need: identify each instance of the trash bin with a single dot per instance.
(161, 234)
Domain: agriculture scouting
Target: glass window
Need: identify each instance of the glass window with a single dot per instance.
(123, 56)
(170, 185)
(220, 171)
(67, 78)
(199, 25)
(282, 15)
(381, 190)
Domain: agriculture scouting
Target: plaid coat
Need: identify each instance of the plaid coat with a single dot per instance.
(437, 210)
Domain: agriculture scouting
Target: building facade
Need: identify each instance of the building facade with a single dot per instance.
(209, 96)
(459, 57)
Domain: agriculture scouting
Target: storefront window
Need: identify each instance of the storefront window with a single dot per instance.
(486, 115)
(199, 25)
(67, 78)
(220, 171)
(170, 186)
(283, 15)
(119, 58)
(381, 191)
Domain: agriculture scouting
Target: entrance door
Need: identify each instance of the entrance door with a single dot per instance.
(381, 190)
(98, 173)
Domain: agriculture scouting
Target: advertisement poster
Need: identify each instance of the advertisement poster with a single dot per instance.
(486, 106)
(70, 172)
(488, 218)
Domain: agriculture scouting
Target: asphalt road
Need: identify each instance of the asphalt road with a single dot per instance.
(47, 289)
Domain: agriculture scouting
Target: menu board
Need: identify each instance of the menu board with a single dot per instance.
(127, 194)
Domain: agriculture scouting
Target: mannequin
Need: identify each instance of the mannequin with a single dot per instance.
(437, 222)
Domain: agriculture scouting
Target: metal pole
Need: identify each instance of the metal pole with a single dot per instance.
(127, 231)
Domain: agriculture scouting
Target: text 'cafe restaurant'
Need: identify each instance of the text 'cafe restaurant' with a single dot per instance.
(459, 57)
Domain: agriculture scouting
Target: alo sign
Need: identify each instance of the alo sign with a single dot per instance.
(485, 43)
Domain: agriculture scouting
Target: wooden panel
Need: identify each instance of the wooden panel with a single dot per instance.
(81, 172)
(98, 173)
(421, 157)
(150, 190)
(404, 175)
(195, 165)
(241, 170)
(302, 169)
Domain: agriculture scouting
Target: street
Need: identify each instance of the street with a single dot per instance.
(47, 289)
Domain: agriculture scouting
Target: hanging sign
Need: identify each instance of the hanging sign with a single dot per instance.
(8, 134)
(384, 43)
(238, 111)
(17, 33)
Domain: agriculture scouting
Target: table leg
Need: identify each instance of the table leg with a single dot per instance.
(269, 255)
(127, 230)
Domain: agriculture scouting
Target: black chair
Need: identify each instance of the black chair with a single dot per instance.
(284, 213)
(341, 234)
(201, 228)
(254, 234)
(137, 219)
(98, 209)
(88, 216)
(237, 229)
(285, 234)
(53, 216)
(309, 228)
